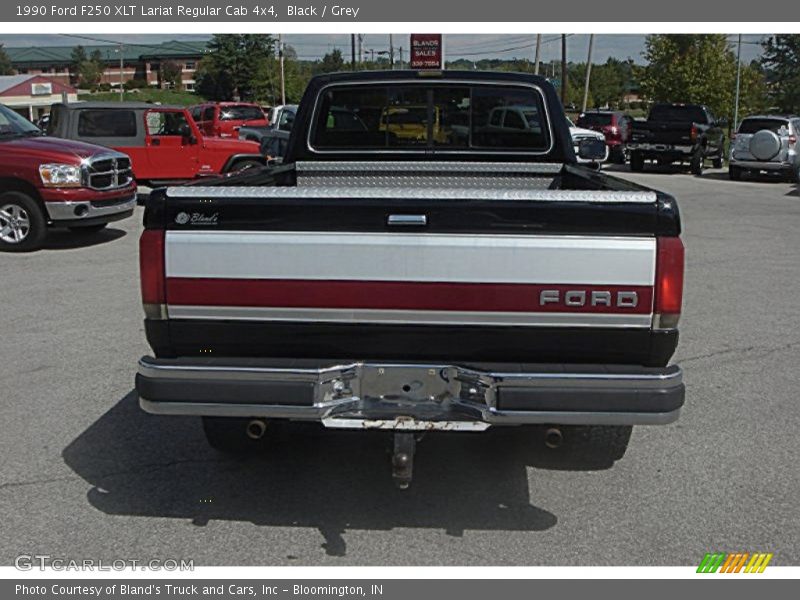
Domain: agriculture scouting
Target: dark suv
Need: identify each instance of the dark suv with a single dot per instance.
(613, 124)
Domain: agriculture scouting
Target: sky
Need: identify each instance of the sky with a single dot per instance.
(474, 47)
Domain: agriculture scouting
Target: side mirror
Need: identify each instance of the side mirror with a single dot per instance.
(592, 150)
(286, 125)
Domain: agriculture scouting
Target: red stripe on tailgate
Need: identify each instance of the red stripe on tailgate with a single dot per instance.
(394, 295)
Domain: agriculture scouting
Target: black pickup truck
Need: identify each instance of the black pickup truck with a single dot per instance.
(417, 266)
(684, 133)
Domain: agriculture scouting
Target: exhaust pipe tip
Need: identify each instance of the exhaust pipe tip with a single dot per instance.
(553, 437)
(256, 428)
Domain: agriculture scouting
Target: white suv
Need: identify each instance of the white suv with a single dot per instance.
(766, 143)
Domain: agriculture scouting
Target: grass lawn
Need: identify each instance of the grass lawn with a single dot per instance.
(148, 95)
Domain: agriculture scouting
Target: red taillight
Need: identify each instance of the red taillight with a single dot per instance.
(151, 272)
(669, 282)
(792, 140)
(693, 135)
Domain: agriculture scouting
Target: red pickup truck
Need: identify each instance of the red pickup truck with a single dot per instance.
(164, 142)
(48, 182)
(223, 119)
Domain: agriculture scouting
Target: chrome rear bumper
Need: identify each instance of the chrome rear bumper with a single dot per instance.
(363, 395)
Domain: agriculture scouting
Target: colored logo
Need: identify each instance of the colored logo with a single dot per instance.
(735, 562)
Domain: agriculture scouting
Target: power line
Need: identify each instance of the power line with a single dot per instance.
(513, 48)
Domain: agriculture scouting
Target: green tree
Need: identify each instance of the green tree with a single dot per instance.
(171, 74)
(77, 58)
(267, 81)
(781, 62)
(231, 68)
(86, 71)
(692, 68)
(332, 62)
(754, 94)
(6, 68)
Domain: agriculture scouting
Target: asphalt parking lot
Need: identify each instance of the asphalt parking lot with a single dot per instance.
(86, 474)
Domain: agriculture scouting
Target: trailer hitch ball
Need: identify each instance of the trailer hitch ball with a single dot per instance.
(403, 459)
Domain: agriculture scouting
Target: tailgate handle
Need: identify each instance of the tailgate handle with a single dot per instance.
(407, 220)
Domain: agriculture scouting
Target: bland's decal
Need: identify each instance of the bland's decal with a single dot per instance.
(196, 218)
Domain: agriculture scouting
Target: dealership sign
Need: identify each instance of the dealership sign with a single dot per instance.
(427, 51)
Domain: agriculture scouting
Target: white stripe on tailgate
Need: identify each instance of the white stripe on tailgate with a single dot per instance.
(411, 257)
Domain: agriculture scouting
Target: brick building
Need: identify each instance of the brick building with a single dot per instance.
(139, 61)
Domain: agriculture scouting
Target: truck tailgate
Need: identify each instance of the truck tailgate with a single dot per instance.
(373, 271)
(661, 133)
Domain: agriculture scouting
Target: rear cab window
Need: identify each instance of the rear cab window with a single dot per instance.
(424, 116)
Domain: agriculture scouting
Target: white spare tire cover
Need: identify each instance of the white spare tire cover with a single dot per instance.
(765, 144)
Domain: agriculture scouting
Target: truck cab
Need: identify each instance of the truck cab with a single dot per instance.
(224, 119)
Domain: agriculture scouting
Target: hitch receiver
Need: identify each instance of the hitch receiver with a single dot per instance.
(403, 459)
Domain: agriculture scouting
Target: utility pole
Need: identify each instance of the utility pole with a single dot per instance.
(360, 48)
(121, 86)
(538, 53)
(283, 75)
(563, 68)
(353, 51)
(738, 83)
(401, 57)
(588, 74)
(391, 52)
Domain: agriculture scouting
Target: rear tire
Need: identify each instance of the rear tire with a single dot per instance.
(594, 445)
(793, 175)
(23, 226)
(637, 162)
(697, 164)
(88, 230)
(718, 162)
(229, 435)
(618, 155)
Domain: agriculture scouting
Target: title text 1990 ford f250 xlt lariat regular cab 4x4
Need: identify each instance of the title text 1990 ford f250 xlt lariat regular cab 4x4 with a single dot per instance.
(472, 279)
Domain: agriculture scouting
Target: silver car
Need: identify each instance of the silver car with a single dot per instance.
(769, 143)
